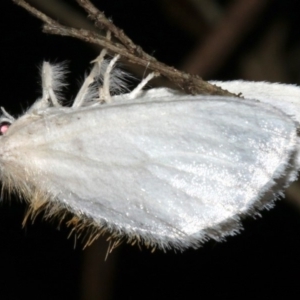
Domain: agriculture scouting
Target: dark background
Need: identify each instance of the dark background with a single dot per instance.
(40, 262)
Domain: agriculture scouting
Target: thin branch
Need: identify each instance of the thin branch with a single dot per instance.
(191, 84)
(103, 23)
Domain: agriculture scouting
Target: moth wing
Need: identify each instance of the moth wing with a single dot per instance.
(285, 97)
(169, 173)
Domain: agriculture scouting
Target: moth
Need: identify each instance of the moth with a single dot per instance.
(153, 167)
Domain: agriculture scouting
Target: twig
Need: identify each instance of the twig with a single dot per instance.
(103, 23)
(191, 84)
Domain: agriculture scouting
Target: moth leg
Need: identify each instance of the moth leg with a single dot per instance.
(104, 93)
(49, 96)
(133, 94)
(90, 79)
(52, 83)
(6, 116)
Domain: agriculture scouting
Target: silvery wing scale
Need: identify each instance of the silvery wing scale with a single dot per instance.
(152, 167)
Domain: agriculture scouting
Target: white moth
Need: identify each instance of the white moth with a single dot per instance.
(157, 167)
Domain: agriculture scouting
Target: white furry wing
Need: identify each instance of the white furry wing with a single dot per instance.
(286, 97)
(167, 172)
